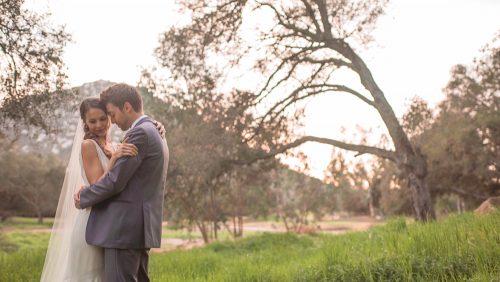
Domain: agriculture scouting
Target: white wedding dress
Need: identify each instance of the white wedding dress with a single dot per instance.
(69, 258)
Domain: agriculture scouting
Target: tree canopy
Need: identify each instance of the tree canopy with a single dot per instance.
(294, 51)
(31, 63)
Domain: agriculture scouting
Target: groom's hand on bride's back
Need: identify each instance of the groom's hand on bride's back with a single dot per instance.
(76, 197)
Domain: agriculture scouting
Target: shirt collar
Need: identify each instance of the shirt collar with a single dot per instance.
(137, 120)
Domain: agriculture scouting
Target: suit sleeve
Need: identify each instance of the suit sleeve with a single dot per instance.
(116, 179)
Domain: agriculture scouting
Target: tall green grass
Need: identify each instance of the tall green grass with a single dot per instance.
(22, 256)
(460, 248)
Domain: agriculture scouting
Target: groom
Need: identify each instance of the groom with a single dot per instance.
(127, 204)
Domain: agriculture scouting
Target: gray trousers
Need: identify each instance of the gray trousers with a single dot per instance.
(124, 265)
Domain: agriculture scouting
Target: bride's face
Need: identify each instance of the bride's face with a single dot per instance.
(97, 122)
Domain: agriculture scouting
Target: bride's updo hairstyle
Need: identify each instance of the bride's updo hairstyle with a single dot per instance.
(85, 106)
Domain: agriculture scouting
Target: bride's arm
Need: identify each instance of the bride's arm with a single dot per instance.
(91, 164)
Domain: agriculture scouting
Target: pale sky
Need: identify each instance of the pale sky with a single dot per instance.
(416, 44)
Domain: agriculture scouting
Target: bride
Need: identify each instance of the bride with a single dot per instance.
(69, 257)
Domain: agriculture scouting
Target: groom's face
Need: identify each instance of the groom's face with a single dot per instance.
(118, 116)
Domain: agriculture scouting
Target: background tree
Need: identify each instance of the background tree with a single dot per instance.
(8, 204)
(31, 184)
(298, 198)
(246, 193)
(349, 184)
(394, 200)
(462, 142)
(203, 133)
(460, 137)
(296, 57)
(31, 65)
(32, 160)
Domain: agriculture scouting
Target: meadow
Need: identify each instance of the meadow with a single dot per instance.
(462, 247)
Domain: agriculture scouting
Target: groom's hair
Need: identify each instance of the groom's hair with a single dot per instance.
(120, 93)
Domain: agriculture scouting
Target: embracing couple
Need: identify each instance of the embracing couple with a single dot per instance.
(110, 209)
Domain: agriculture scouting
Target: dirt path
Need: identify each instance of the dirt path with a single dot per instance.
(335, 227)
(10, 229)
(330, 227)
(170, 244)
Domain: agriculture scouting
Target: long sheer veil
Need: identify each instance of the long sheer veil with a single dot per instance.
(58, 251)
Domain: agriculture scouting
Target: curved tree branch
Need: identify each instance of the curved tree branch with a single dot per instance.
(322, 89)
(361, 149)
(312, 15)
(304, 32)
(294, 97)
(327, 27)
(295, 57)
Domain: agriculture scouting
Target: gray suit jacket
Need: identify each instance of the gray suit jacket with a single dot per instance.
(127, 204)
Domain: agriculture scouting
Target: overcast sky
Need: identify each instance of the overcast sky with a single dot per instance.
(417, 42)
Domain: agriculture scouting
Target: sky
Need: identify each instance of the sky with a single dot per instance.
(416, 44)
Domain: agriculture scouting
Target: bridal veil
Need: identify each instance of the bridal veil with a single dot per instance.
(58, 252)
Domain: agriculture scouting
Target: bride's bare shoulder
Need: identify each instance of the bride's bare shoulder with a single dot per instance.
(88, 148)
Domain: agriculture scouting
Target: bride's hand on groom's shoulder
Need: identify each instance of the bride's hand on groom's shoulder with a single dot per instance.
(125, 149)
(160, 128)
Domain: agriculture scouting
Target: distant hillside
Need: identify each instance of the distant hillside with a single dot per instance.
(60, 142)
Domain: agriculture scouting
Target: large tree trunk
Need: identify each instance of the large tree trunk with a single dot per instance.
(235, 232)
(421, 198)
(460, 204)
(213, 212)
(374, 201)
(237, 226)
(203, 230)
(40, 217)
(286, 223)
(240, 226)
(215, 227)
(409, 158)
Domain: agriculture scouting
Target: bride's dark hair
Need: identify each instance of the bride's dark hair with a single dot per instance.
(85, 106)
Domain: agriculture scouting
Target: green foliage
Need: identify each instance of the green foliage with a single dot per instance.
(460, 137)
(28, 240)
(200, 148)
(30, 183)
(24, 260)
(461, 248)
(458, 249)
(7, 246)
(462, 144)
(291, 59)
(205, 188)
(295, 197)
(395, 199)
(32, 67)
(261, 243)
(347, 191)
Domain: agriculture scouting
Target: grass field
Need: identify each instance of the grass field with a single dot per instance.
(26, 223)
(460, 248)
